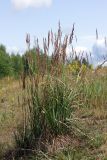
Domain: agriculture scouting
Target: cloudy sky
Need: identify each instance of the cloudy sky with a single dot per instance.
(36, 17)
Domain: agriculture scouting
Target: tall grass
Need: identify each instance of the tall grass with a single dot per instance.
(49, 98)
(52, 93)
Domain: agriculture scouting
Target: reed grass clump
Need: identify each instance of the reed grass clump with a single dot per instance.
(52, 92)
(48, 96)
(50, 107)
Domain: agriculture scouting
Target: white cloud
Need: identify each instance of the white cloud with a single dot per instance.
(100, 42)
(22, 4)
(88, 38)
(13, 49)
(81, 49)
(77, 49)
(99, 50)
(95, 55)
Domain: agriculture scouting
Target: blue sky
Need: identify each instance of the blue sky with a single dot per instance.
(36, 17)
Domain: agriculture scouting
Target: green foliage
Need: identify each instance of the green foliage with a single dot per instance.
(5, 63)
(93, 92)
(97, 141)
(10, 65)
(77, 66)
(48, 113)
(34, 62)
(16, 63)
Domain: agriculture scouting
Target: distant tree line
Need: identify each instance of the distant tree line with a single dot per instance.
(10, 64)
(16, 65)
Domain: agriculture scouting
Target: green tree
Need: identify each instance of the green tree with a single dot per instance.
(16, 63)
(5, 62)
